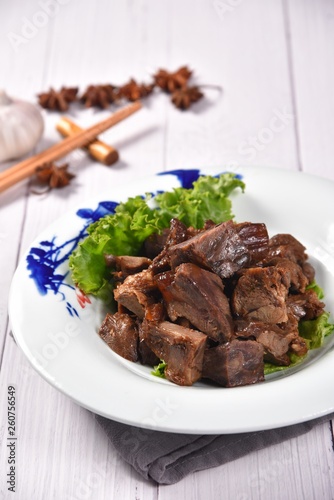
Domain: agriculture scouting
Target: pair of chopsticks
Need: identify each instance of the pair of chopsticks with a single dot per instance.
(27, 167)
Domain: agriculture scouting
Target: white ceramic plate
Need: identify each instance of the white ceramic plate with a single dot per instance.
(59, 336)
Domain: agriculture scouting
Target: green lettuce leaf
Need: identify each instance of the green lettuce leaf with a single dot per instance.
(317, 289)
(315, 330)
(124, 232)
(208, 199)
(159, 370)
(295, 360)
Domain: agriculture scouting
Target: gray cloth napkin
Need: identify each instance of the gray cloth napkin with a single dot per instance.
(166, 458)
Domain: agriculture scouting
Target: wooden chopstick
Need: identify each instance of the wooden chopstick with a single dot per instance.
(27, 167)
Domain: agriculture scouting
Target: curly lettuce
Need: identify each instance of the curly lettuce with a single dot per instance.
(159, 370)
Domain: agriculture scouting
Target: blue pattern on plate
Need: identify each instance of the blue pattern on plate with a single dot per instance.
(188, 177)
(185, 177)
(44, 260)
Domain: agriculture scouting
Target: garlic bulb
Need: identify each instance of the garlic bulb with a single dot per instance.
(21, 127)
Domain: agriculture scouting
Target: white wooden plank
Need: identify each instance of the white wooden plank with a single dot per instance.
(11, 221)
(18, 78)
(116, 55)
(24, 48)
(311, 27)
(278, 472)
(244, 51)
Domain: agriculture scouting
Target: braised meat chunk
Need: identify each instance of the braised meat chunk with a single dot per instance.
(136, 292)
(181, 348)
(298, 345)
(145, 354)
(198, 295)
(260, 294)
(155, 243)
(275, 341)
(239, 362)
(292, 273)
(305, 305)
(126, 264)
(288, 247)
(177, 234)
(120, 332)
(223, 249)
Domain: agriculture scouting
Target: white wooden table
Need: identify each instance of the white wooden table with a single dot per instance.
(273, 58)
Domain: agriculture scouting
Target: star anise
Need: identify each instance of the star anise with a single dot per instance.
(133, 91)
(58, 100)
(172, 81)
(100, 96)
(53, 175)
(185, 97)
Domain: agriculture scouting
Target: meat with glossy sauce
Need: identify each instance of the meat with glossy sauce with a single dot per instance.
(223, 249)
(181, 348)
(214, 303)
(198, 295)
(120, 332)
(239, 362)
(136, 292)
(260, 294)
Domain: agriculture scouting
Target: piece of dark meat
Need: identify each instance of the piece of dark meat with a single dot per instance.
(145, 354)
(177, 234)
(181, 348)
(288, 247)
(197, 295)
(260, 295)
(275, 341)
(120, 332)
(298, 345)
(236, 363)
(292, 274)
(125, 265)
(309, 271)
(184, 322)
(208, 224)
(155, 243)
(276, 346)
(137, 292)
(223, 249)
(155, 312)
(305, 305)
